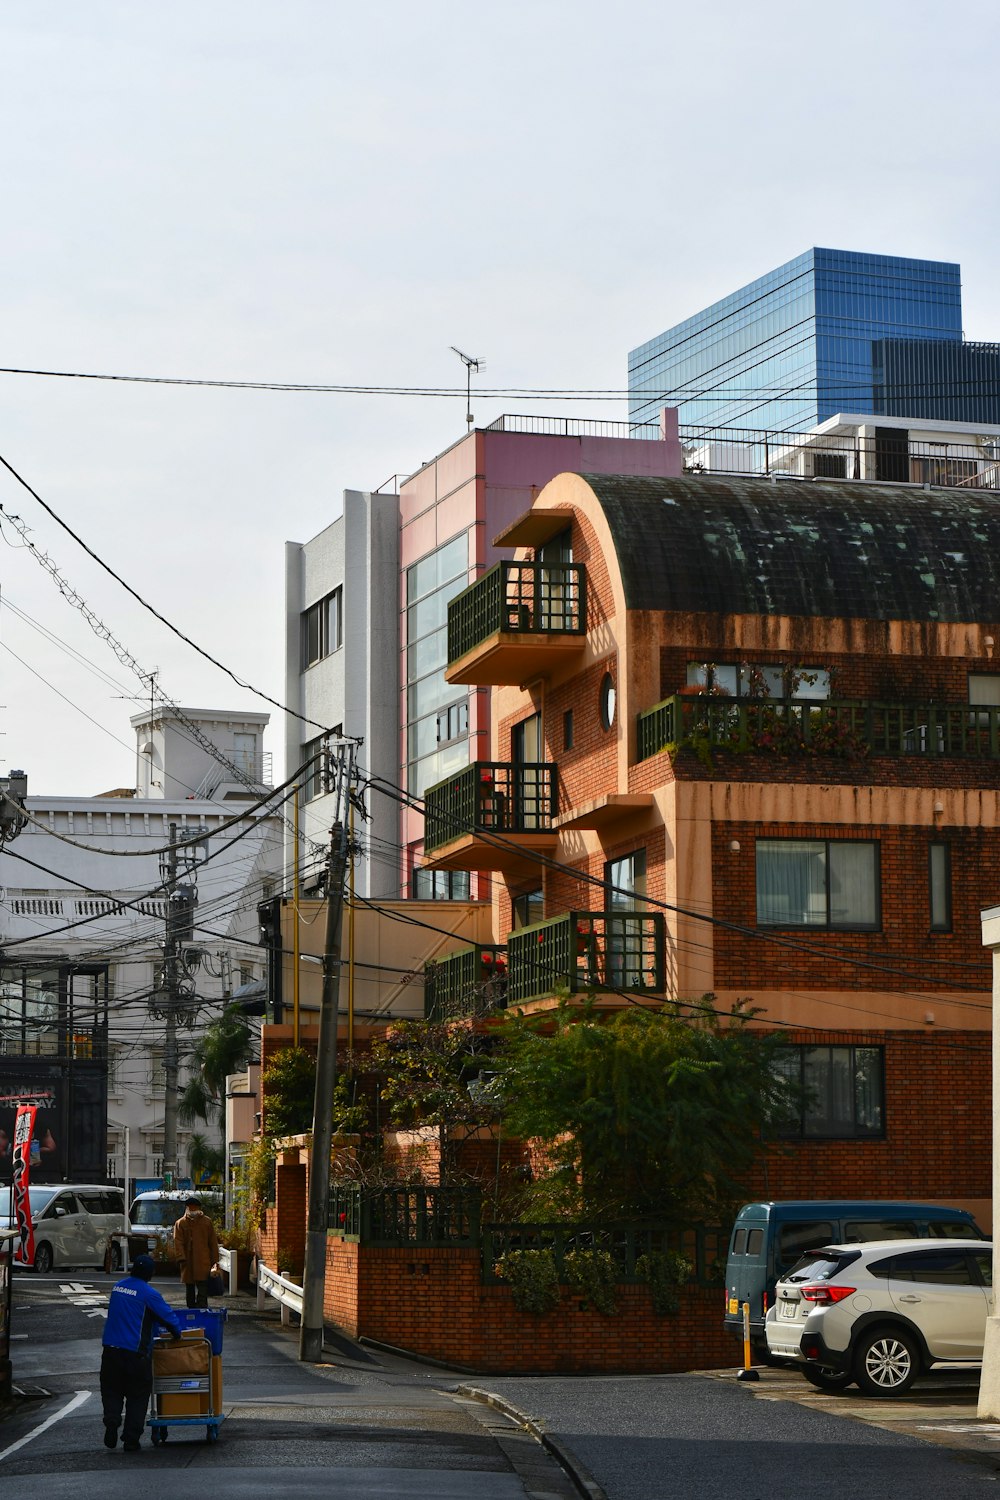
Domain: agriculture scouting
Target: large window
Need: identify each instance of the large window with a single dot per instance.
(626, 878)
(839, 1092)
(745, 680)
(437, 713)
(831, 883)
(440, 885)
(322, 628)
(316, 778)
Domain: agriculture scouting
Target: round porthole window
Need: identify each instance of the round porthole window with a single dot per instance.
(608, 699)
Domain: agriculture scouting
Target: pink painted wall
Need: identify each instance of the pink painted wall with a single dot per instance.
(483, 483)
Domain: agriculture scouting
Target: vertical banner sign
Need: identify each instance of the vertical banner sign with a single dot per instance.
(24, 1129)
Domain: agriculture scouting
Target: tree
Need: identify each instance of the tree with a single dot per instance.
(224, 1047)
(425, 1069)
(289, 1093)
(649, 1114)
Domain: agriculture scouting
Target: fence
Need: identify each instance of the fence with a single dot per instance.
(704, 1247)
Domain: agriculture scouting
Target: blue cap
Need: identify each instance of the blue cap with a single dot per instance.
(143, 1266)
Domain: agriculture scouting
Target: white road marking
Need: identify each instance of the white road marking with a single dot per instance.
(77, 1400)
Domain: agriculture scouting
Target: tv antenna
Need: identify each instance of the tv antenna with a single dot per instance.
(470, 365)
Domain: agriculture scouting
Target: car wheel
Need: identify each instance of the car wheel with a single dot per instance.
(43, 1259)
(116, 1257)
(886, 1362)
(828, 1380)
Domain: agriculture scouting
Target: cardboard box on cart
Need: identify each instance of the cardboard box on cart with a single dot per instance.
(187, 1361)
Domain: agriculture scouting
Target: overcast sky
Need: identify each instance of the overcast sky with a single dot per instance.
(311, 192)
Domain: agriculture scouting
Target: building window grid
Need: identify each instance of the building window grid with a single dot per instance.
(322, 627)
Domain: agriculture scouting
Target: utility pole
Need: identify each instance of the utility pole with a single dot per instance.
(314, 1277)
(175, 999)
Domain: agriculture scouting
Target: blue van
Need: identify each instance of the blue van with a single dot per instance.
(768, 1239)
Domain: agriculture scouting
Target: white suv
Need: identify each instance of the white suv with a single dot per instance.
(882, 1313)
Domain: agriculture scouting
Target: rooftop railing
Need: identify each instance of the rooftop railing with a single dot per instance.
(582, 951)
(851, 730)
(518, 598)
(490, 796)
(892, 455)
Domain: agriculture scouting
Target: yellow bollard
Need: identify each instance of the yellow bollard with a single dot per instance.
(747, 1372)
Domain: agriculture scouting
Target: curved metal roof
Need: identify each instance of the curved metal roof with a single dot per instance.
(805, 547)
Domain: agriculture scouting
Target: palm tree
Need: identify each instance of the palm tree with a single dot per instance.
(224, 1047)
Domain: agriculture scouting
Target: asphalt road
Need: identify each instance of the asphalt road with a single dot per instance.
(673, 1437)
(365, 1428)
(372, 1425)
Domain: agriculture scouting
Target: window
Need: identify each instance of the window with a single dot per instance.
(568, 729)
(321, 628)
(939, 879)
(453, 723)
(608, 699)
(760, 680)
(316, 779)
(832, 883)
(440, 885)
(157, 1077)
(527, 909)
(839, 1092)
(623, 939)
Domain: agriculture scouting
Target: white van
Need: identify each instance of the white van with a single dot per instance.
(73, 1223)
(155, 1213)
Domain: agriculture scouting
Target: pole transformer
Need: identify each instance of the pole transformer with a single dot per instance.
(314, 1277)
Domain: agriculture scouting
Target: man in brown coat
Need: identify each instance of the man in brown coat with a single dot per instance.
(196, 1246)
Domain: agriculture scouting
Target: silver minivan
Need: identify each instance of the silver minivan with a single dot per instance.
(74, 1223)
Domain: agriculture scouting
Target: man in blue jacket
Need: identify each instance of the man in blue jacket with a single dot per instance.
(127, 1357)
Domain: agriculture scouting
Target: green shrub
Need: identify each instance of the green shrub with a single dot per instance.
(594, 1275)
(665, 1273)
(533, 1279)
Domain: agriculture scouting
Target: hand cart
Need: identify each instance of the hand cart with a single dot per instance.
(187, 1376)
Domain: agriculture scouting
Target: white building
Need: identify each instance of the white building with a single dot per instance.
(342, 675)
(82, 925)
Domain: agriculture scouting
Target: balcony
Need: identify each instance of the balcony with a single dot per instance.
(469, 983)
(493, 815)
(518, 621)
(852, 731)
(585, 951)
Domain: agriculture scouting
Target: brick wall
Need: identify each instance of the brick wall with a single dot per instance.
(433, 1303)
(903, 955)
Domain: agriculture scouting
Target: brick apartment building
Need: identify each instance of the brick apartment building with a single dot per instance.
(746, 739)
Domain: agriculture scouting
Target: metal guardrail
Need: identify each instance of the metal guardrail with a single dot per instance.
(287, 1293)
(778, 726)
(518, 598)
(490, 796)
(587, 950)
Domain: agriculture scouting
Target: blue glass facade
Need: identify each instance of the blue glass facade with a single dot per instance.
(828, 332)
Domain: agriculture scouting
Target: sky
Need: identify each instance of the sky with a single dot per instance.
(317, 193)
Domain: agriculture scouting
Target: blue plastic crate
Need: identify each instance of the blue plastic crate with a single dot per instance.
(209, 1318)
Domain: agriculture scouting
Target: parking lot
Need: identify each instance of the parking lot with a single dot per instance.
(940, 1408)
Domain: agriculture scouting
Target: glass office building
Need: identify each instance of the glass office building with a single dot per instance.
(832, 331)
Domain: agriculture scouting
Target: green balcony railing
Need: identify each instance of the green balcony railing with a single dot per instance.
(519, 598)
(405, 1215)
(490, 796)
(587, 950)
(469, 983)
(854, 730)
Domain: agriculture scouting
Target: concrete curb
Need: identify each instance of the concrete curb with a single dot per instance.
(584, 1481)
